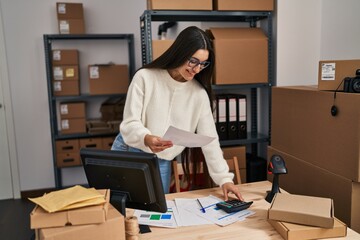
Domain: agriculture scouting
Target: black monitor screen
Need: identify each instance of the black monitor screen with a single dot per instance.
(133, 178)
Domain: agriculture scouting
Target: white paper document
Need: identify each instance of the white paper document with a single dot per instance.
(185, 138)
(168, 219)
(214, 214)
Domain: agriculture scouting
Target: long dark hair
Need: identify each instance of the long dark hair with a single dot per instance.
(190, 40)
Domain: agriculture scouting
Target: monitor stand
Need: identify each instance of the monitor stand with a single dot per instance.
(118, 200)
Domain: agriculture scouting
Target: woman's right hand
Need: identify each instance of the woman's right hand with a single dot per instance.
(156, 144)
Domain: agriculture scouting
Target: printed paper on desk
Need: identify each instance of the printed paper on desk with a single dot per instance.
(216, 215)
(167, 220)
(185, 138)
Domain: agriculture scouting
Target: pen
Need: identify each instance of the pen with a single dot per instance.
(202, 208)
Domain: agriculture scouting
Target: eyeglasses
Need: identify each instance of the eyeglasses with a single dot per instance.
(193, 63)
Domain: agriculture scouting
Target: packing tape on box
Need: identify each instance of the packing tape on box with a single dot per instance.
(132, 228)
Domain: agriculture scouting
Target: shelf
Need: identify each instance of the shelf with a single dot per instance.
(219, 88)
(252, 138)
(83, 135)
(207, 16)
(86, 97)
(49, 39)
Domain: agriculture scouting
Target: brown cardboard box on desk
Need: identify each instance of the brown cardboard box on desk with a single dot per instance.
(301, 209)
(291, 231)
(112, 229)
(39, 218)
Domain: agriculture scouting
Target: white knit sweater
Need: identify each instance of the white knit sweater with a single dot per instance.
(155, 101)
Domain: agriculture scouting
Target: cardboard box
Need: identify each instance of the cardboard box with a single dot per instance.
(68, 159)
(71, 26)
(65, 57)
(239, 152)
(39, 218)
(72, 110)
(90, 143)
(66, 88)
(302, 125)
(73, 125)
(160, 46)
(65, 72)
(241, 55)
(290, 231)
(107, 142)
(307, 179)
(301, 209)
(112, 109)
(112, 229)
(69, 10)
(98, 127)
(332, 73)
(179, 5)
(67, 146)
(244, 5)
(108, 79)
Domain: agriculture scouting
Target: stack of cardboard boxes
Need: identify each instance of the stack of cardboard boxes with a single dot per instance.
(321, 151)
(94, 222)
(70, 18)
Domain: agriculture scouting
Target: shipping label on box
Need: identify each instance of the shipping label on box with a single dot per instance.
(69, 10)
(65, 57)
(108, 79)
(66, 88)
(39, 218)
(332, 73)
(72, 110)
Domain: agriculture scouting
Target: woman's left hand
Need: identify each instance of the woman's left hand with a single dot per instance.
(229, 187)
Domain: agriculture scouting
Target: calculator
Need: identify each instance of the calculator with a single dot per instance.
(234, 205)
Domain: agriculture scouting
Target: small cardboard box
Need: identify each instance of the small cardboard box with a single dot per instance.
(66, 88)
(333, 72)
(73, 125)
(107, 142)
(239, 152)
(244, 5)
(67, 146)
(301, 209)
(69, 10)
(290, 231)
(65, 57)
(90, 143)
(179, 5)
(108, 79)
(72, 110)
(65, 72)
(112, 229)
(71, 26)
(68, 159)
(160, 46)
(241, 55)
(39, 218)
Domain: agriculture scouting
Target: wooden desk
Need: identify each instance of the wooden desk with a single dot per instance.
(254, 227)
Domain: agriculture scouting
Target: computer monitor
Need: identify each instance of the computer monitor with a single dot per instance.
(132, 177)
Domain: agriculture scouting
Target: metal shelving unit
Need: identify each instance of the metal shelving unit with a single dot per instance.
(149, 16)
(49, 39)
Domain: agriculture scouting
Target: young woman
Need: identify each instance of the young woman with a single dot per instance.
(175, 89)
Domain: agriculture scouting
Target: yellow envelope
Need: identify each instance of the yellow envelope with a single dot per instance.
(61, 199)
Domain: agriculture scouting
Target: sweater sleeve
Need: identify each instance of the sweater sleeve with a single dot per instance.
(217, 165)
(132, 129)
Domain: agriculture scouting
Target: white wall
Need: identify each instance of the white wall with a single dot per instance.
(307, 31)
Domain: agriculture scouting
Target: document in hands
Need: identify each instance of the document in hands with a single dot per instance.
(185, 138)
